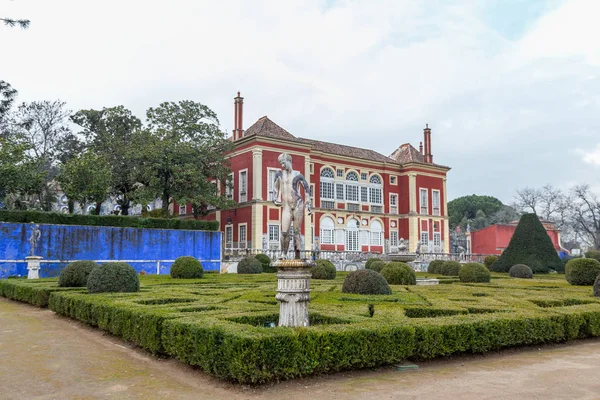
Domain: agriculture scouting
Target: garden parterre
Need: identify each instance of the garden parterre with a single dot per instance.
(218, 322)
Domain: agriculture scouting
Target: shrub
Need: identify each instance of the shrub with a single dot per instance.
(399, 273)
(124, 221)
(370, 261)
(377, 266)
(595, 254)
(249, 265)
(530, 240)
(474, 272)
(76, 274)
(435, 267)
(323, 269)
(489, 260)
(113, 277)
(265, 261)
(520, 271)
(365, 281)
(582, 271)
(450, 268)
(186, 268)
(597, 286)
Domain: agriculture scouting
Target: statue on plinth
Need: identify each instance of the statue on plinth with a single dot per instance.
(287, 195)
(34, 238)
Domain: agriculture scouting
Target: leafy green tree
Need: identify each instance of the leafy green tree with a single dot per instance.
(7, 98)
(184, 154)
(465, 209)
(19, 173)
(86, 179)
(529, 245)
(114, 133)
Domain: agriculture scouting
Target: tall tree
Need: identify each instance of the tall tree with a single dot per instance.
(114, 133)
(586, 215)
(465, 209)
(19, 173)
(86, 179)
(184, 153)
(7, 98)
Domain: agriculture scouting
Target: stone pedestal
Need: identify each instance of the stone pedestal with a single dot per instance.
(33, 267)
(293, 291)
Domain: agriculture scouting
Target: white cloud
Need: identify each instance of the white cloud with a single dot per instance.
(592, 156)
(365, 73)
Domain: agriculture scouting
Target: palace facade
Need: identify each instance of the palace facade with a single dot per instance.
(362, 200)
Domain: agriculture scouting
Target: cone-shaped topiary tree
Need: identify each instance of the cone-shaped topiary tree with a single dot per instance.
(529, 242)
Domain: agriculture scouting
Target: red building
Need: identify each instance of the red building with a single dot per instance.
(495, 238)
(362, 200)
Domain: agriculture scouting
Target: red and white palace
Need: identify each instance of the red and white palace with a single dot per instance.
(362, 200)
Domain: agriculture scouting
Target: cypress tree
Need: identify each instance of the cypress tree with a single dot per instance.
(530, 244)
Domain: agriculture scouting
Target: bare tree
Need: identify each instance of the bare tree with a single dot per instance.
(548, 202)
(586, 215)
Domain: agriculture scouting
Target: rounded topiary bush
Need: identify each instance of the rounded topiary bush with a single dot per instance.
(365, 281)
(76, 274)
(450, 268)
(370, 261)
(265, 261)
(323, 269)
(474, 272)
(595, 254)
(597, 286)
(377, 266)
(399, 273)
(435, 267)
(520, 271)
(582, 271)
(113, 277)
(186, 268)
(249, 265)
(489, 260)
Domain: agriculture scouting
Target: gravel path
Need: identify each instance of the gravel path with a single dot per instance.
(45, 356)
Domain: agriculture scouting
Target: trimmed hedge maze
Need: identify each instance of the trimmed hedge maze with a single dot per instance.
(220, 322)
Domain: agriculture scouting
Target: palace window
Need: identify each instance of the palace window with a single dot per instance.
(376, 233)
(435, 200)
(327, 231)
(271, 184)
(228, 237)
(242, 236)
(393, 180)
(364, 194)
(363, 176)
(394, 238)
(424, 238)
(393, 204)
(437, 239)
(375, 190)
(182, 209)
(327, 185)
(340, 173)
(339, 191)
(274, 233)
(423, 202)
(243, 186)
(229, 187)
(352, 235)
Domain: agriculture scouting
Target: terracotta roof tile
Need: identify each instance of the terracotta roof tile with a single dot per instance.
(265, 127)
(348, 151)
(407, 153)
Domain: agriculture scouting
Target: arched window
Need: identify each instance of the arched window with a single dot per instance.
(352, 235)
(375, 190)
(327, 173)
(327, 230)
(376, 233)
(352, 188)
(327, 185)
(352, 176)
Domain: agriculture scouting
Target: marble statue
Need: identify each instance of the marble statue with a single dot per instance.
(35, 237)
(287, 195)
(402, 245)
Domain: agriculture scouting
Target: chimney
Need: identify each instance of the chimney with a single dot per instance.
(421, 148)
(238, 107)
(427, 139)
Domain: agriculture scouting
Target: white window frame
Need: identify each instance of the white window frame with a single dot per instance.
(339, 172)
(375, 190)
(182, 209)
(242, 244)
(274, 234)
(271, 172)
(243, 194)
(364, 176)
(364, 194)
(228, 235)
(327, 185)
(312, 168)
(340, 192)
(376, 235)
(423, 205)
(327, 234)
(352, 236)
(435, 195)
(437, 239)
(393, 180)
(229, 186)
(394, 238)
(424, 238)
(393, 203)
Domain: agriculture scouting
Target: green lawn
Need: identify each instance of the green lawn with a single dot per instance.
(217, 322)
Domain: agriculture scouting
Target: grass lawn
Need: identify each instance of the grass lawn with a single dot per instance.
(217, 322)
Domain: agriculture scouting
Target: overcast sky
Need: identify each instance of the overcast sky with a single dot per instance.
(510, 88)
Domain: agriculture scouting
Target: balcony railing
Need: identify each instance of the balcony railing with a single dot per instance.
(393, 210)
(330, 205)
(352, 207)
(377, 209)
(436, 211)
